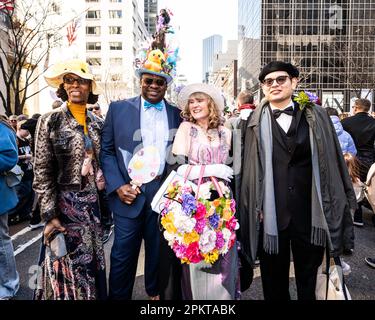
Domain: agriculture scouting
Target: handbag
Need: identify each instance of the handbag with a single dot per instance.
(56, 246)
(159, 200)
(14, 176)
(331, 285)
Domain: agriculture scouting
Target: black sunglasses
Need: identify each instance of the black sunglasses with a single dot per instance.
(93, 108)
(71, 80)
(150, 81)
(279, 80)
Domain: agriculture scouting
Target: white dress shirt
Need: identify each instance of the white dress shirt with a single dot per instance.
(154, 130)
(284, 120)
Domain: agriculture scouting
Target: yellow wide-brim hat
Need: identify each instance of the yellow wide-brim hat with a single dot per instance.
(208, 89)
(55, 74)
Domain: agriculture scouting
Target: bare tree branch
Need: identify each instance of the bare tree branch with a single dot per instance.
(31, 36)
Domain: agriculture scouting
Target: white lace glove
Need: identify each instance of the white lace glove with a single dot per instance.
(220, 171)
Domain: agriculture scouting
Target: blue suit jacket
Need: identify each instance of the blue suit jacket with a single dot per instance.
(121, 138)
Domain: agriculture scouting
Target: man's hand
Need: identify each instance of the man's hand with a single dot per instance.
(127, 194)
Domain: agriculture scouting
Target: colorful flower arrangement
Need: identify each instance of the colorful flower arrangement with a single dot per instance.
(306, 99)
(199, 231)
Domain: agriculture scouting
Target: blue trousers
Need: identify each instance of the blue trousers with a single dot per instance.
(125, 251)
(9, 279)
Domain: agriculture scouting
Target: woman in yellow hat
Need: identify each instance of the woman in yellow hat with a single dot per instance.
(67, 177)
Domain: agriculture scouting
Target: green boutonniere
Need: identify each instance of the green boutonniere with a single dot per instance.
(306, 99)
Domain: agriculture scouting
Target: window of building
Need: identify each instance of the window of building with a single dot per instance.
(115, 46)
(115, 61)
(115, 1)
(94, 61)
(115, 14)
(115, 30)
(93, 46)
(93, 14)
(92, 0)
(93, 31)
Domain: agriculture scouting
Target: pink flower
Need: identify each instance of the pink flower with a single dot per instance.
(232, 240)
(192, 252)
(219, 240)
(179, 250)
(201, 211)
(231, 224)
(199, 226)
(233, 206)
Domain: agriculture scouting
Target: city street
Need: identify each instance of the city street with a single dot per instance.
(360, 281)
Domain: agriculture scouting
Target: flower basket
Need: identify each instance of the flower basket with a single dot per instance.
(199, 230)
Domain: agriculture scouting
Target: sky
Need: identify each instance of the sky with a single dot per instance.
(199, 19)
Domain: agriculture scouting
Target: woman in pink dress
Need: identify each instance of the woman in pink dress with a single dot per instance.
(203, 140)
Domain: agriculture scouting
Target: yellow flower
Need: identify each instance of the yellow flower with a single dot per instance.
(227, 214)
(211, 257)
(170, 188)
(167, 223)
(228, 202)
(190, 237)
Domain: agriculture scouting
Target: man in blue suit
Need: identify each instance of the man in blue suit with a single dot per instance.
(130, 125)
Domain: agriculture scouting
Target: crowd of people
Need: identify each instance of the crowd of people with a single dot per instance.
(299, 187)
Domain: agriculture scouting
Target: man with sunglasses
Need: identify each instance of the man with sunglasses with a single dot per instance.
(295, 192)
(130, 124)
(95, 109)
(13, 122)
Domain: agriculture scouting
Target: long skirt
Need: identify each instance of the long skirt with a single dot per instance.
(219, 282)
(80, 275)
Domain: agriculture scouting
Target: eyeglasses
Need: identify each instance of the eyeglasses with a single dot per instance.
(13, 120)
(279, 80)
(150, 81)
(80, 81)
(93, 108)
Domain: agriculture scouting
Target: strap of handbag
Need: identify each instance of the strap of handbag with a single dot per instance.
(203, 167)
(214, 181)
(327, 257)
(187, 172)
(337, 261)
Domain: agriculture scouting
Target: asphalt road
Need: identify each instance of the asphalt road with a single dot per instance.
(360, 281)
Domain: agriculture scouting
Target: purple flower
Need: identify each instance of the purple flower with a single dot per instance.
(199, 226)
(214, 220)
(219, 240)
(312, 97)
(188, 203)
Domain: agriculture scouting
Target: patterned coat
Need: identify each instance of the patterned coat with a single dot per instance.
(59, 155)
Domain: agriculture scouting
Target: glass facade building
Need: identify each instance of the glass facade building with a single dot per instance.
(151, 12)
(211, 46)
(332, 43)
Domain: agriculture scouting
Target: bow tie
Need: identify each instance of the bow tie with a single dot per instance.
(157, 106)
(277, 112)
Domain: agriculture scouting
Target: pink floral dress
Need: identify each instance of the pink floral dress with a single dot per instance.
(221, 281)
